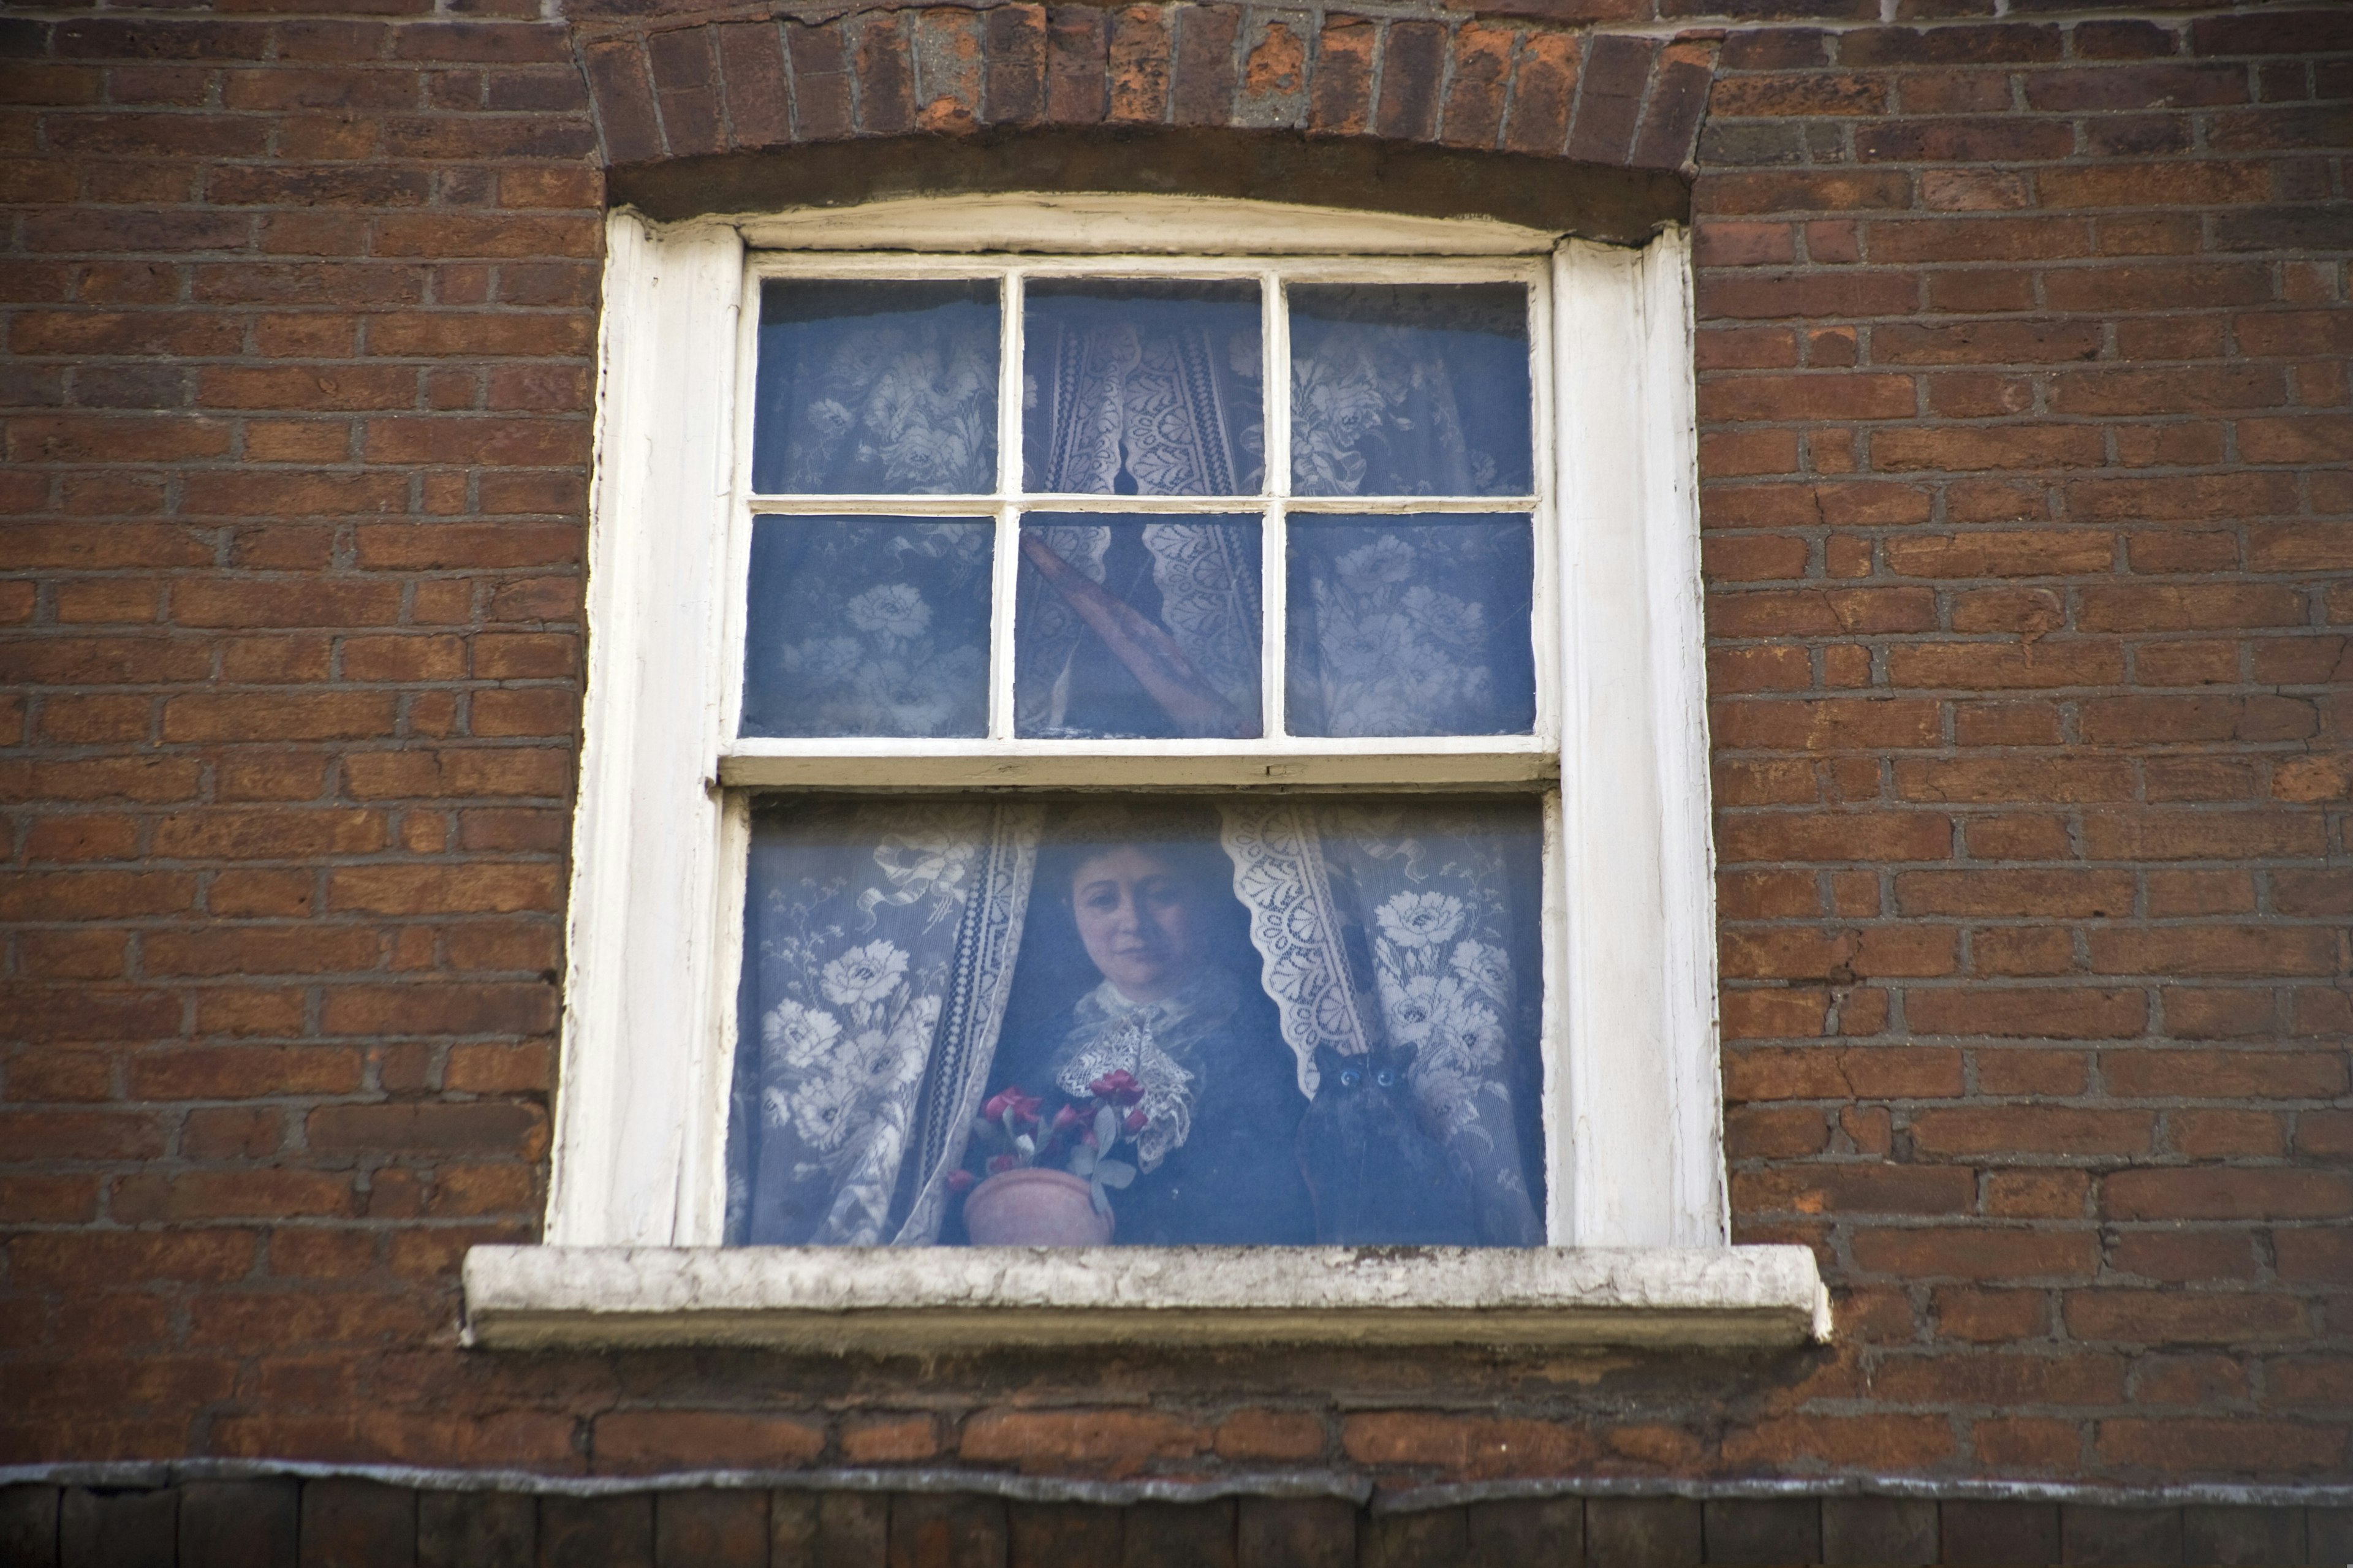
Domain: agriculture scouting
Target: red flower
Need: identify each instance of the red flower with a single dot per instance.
(1069, 1116)
(1137, 1122)
(1024, 1107)
(1001, 1163)
(1119, 1088)
(962, 1181)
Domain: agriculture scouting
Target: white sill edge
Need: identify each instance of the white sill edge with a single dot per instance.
(836, 1300)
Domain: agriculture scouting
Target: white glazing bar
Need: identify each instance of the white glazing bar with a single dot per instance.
(1005, 568)
(1544, 514)
(1560, 1226)
(1274, 400)
(1411, 504)
(909, 505)
(918, 504)
(1276, 388)
(735, 587)
(920, 267)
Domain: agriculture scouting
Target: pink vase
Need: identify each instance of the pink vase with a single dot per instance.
(1034, 1208)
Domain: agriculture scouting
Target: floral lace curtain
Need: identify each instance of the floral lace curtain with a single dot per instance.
(877, 388)
(1398, 625)
(1385, 930)
(868, 627)
(879, 942)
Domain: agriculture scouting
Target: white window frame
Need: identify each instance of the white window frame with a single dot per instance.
(1636, 1214)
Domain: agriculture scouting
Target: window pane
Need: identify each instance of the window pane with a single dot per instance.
(1141, 388)
(868, 626)
(1137, 627)
(1419, 390)
(1412, 625)
(877, 388)
(1283, 1020)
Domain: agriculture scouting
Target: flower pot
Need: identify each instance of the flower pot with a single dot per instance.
(1034, 1208)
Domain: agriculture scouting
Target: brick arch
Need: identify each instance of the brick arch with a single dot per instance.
(687, 86)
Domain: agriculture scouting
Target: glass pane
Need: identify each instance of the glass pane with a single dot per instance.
(868, 626)
(1412, 625)
(1145, 389)
(876, 388)
(1137, 627)
(1416, 389)
(1160, 1021)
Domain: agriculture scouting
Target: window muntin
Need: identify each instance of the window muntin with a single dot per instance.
(1442, 329)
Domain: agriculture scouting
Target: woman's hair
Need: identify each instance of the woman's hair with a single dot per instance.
(1184, 836)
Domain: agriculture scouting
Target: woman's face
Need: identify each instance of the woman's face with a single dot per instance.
(1139, 920)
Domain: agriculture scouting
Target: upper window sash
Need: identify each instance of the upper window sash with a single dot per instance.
(1275, 756)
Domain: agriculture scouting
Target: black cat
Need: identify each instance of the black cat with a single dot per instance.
(1377, 1177)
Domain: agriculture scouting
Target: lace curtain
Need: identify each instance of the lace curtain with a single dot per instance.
(1142, 628)
(880, 940)
(878, 944)
(1387, 931)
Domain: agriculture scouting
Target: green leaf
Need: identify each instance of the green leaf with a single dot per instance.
(1083, 1161)
(1114, 1172)
(1107, 1128)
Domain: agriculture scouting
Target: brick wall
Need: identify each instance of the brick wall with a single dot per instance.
(2029, 528)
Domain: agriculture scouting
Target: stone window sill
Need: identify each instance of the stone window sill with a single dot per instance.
(935, 1298)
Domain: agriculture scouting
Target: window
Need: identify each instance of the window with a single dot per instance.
(1197, 699)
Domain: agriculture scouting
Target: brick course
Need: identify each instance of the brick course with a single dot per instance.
(2027, 498)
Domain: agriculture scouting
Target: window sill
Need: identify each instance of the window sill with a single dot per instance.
(931, 1299)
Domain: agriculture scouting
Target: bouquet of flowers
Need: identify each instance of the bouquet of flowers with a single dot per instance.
(1080, 1138)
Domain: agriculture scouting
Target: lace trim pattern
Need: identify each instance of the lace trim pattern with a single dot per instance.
(980, 985)
(1280, 877)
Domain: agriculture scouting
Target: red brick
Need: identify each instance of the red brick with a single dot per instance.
(2216, 1192)
(2005, 1130)
(632, 1440)
(2249, 1447)
(1979, 1252)
(1887, 1442)
(2028, 1013)
(1478, 76)
(481, 1127)
(2002, 1381)
(244, 1072)
(133, 1258)
(1843, 1189)
(1117, 1442)
(1464, 1445)
(1984, 1316)
(232, 1195)
(2185, 1257)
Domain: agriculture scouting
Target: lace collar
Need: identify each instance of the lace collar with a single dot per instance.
(1152, 1041)
(1194, 1008)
